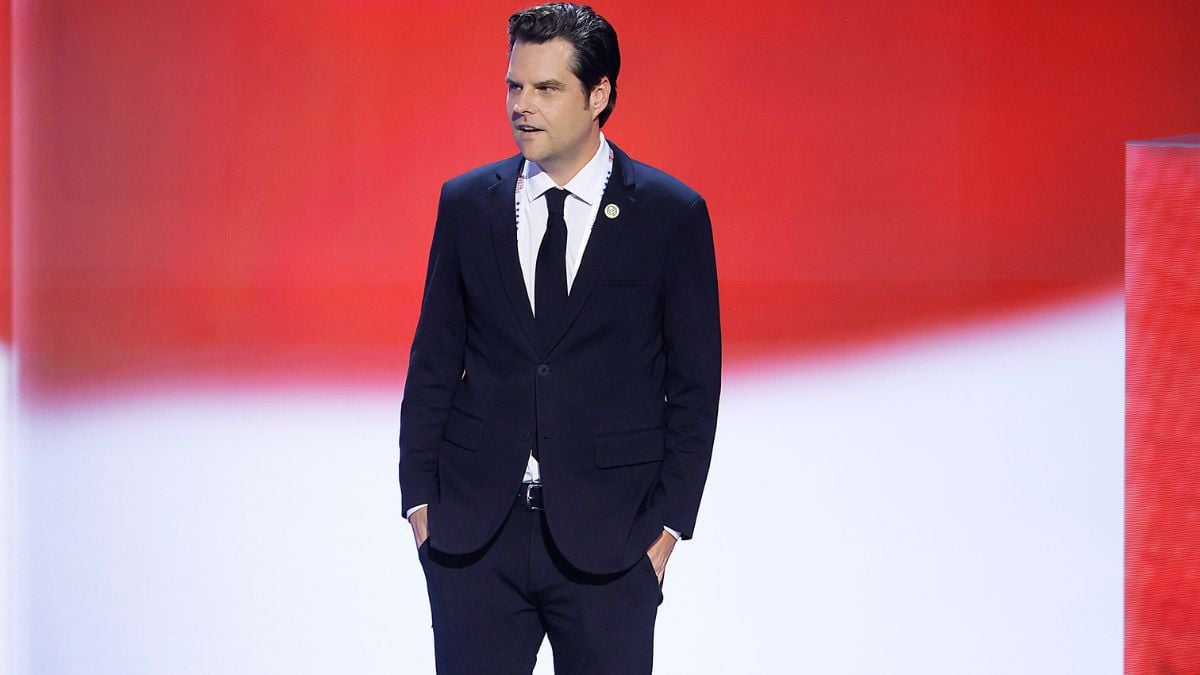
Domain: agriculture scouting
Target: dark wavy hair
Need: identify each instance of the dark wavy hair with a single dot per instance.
(594, 39)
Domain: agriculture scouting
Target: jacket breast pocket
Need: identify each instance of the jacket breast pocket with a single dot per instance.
(627, 285)
(627, 300)
(625, 449)
(623, 282)
(463, 430)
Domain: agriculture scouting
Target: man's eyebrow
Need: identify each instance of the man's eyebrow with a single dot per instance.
(543, 83)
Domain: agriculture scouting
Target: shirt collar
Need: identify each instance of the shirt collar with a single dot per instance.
(587, 185)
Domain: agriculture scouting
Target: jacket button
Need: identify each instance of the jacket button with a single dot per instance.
(524, 435)
(543, 370)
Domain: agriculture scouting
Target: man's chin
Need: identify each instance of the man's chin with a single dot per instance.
(530, 150)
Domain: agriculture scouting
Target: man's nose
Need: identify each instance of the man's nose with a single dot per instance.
(520, 102)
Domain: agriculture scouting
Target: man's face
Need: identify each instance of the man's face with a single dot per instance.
(553, 119)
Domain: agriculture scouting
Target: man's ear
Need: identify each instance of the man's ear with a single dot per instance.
(599, 98)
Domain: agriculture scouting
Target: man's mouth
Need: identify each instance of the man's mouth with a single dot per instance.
(525, 128)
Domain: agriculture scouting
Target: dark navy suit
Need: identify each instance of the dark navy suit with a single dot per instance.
(621, 399)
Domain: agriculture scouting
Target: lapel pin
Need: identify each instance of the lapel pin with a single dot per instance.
(612, 211)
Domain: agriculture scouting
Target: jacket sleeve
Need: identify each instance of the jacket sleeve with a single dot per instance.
(435, 366)
(692, 343)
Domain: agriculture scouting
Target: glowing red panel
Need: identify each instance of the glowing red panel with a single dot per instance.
(1162, 474)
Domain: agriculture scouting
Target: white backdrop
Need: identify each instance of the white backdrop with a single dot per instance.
(951, 504)
(9, 518)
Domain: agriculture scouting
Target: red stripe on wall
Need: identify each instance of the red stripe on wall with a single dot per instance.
(1162, 488)
(222, 188)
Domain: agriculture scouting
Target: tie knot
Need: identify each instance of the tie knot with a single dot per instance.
(555, 198)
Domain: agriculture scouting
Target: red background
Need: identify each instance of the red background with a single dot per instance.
(231, 189)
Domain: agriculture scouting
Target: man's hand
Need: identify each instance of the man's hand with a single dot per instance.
(419, 520)
(658, 553)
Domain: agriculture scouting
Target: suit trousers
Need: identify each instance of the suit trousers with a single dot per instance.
(492, 608)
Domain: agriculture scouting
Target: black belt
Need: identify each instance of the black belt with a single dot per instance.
(530, 496)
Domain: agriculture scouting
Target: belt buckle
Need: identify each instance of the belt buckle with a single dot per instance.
(529, 496)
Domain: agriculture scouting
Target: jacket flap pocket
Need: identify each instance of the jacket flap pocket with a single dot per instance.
(463, 429)
(634, 447)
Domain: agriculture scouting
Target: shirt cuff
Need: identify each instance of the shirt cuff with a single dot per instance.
(418, 507)
(671, 532)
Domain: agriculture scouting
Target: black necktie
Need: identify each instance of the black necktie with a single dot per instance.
(550, 276)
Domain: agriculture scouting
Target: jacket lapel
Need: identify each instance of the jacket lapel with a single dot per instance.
(602, 242)
(501, 204)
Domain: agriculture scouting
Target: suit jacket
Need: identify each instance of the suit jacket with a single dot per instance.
(622, 400)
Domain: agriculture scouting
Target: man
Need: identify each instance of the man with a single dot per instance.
(561, 400)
